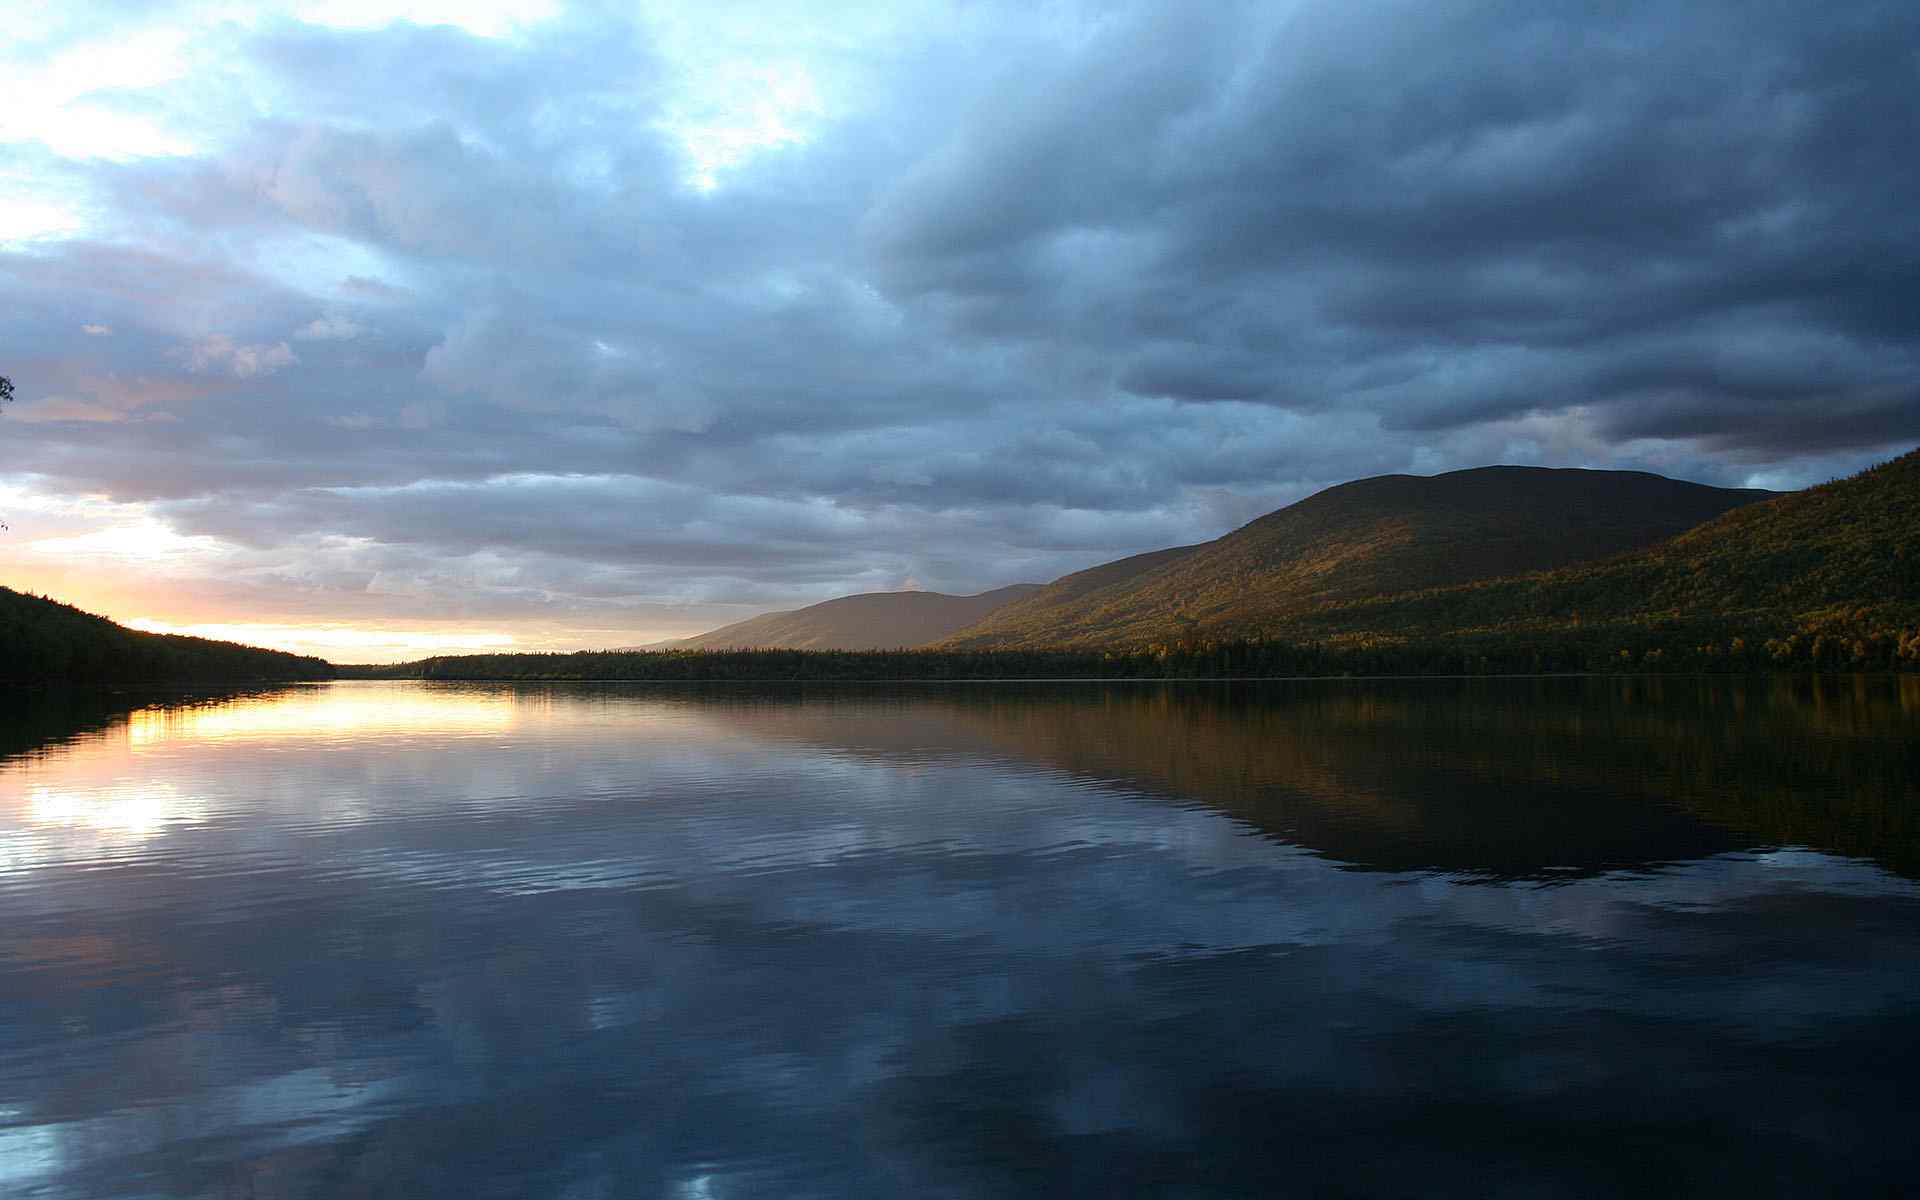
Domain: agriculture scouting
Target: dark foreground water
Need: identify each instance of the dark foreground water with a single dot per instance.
(1606, 937)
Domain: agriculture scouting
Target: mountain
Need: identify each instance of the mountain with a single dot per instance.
(1061, 602)
(1825, 579)
(1389, 534)
(869, 621)
(44, 641)
(1848, 547)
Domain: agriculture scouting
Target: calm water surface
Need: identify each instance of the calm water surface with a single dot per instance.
(1602, 937)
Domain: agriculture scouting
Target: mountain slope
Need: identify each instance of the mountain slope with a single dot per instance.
(44, 641)
(1061, 602)
(869, 621)
(1390, 534)
(1853, 543)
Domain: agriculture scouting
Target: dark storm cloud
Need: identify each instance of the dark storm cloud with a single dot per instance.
(1029, 290)
(1454, 182)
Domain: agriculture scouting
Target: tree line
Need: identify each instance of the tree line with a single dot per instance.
(1839, 640)
(44, 641)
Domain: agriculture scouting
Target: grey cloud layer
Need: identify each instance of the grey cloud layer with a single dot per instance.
(1058, 287)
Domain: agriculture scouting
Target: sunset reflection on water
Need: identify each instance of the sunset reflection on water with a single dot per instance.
(560, 941)
(305, 713)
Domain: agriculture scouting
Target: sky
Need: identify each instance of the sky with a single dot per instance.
(377, 330)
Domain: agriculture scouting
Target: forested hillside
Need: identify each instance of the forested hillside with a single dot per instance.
(1060, 603)
(1825, 579)
(44, 641)
(1836, 563)
(1390, 534)
(869, 621)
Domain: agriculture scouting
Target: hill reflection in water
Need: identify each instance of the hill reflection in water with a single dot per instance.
(1556, 936)
(1510, 778)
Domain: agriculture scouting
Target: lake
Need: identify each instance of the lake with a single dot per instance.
(1584, 937)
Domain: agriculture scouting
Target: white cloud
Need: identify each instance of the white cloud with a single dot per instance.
(330, 327)
(97, 330)
(482, 18)
(758, 107)
(26, 219)
(218, 354)
(68, 102)
(143, 540)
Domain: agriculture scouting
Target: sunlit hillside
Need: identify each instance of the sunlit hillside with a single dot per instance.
(870, 621)
(1389, 534)
(1842, 559)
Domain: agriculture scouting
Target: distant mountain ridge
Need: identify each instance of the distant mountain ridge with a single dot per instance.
(1386, 535)
(1823, 579)
(868, 621)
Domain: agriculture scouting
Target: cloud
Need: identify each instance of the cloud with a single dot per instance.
(105, 398)
(360, 285)
(97, 330)
(329, 327)
(1001, 291)
(216, 353)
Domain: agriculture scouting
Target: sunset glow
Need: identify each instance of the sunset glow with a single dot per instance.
(323, 713)
(341, 643)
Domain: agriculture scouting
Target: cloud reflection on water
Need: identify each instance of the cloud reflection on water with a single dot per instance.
(872, 943)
